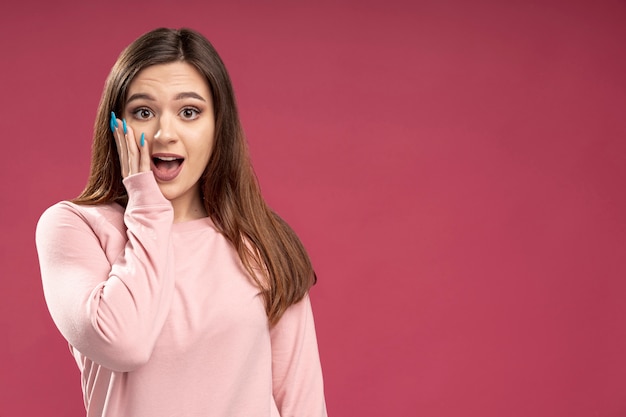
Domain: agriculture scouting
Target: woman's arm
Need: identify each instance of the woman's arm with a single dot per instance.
(296, 371)
(110, 312)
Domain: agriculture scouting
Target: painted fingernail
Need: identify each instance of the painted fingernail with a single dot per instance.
(113, 122)
(124, 125)
(143, 139)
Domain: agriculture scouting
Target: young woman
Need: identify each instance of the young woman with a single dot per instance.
(179, 291)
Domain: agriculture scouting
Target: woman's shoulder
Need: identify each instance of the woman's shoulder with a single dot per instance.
(66, 212)
(69, 226)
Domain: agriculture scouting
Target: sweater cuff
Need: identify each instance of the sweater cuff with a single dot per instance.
(143, 190)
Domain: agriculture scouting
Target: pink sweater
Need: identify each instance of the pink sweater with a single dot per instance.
(163, 320)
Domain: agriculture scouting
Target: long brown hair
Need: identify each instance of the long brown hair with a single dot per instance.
(268, 248)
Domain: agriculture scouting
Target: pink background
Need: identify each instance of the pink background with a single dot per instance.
(455, 168)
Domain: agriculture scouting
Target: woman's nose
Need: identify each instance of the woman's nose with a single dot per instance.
(165, 129)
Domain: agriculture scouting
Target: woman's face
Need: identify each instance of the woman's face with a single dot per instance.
(172, 105)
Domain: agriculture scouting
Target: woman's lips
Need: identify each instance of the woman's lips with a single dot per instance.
(166, 167)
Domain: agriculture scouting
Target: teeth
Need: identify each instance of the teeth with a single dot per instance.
(166, 158)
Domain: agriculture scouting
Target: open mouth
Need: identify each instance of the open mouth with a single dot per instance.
(166, 167)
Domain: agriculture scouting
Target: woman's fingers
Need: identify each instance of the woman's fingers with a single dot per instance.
(133, 151)
(144, 155)
(139, 155)
(120, 142)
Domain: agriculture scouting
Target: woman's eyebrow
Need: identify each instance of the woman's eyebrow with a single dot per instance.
(140, 96)
(189, 94)
(179, 96)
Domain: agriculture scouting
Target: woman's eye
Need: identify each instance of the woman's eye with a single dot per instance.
(142, 113)
(190, 113)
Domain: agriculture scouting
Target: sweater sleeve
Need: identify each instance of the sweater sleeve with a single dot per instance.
(110, 312)
(296, 370)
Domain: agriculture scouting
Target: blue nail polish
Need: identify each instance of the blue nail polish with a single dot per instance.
(113, 123)
(124, 125)
(143, 140)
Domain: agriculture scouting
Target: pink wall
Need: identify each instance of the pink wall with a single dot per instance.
(456, 170)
